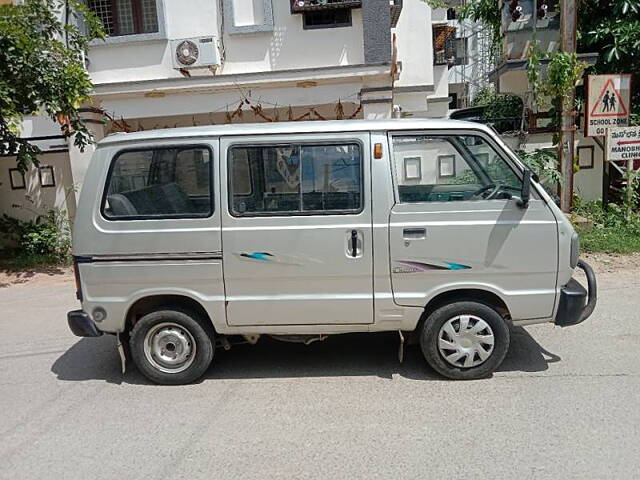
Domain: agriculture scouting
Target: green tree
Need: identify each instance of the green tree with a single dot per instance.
(42, 70)
(612, 28)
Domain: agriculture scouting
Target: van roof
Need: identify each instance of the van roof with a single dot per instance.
(291, 127)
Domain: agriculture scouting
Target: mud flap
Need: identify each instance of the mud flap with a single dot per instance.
(121, 351)
(401, 347)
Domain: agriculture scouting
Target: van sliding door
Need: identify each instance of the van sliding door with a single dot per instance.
(297, 231)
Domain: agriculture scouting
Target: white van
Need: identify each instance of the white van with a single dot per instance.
(191, 239)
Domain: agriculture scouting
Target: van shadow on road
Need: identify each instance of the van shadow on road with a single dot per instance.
(339, 355)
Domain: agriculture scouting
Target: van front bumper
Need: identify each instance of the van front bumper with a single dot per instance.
(81, 324)
(576, 303)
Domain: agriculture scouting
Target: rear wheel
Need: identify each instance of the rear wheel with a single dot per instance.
(464, 340)
(171, 346)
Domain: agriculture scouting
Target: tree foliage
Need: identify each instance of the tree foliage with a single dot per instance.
(42, 70)
(487, 12)
(612, 28)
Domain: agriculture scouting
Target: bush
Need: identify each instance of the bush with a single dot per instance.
(47, 239)
(611, 232)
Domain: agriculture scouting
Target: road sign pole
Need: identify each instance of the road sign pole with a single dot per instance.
(630, 190)
(568, 124)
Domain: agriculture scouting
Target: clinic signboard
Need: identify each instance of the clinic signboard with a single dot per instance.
(623, 143)
(608, 103)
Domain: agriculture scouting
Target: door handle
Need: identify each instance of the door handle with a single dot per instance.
(354, 243)
(414, 233)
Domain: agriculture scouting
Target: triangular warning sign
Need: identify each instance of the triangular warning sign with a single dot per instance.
(609, 103)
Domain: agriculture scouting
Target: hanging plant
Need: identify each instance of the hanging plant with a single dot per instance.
(564, 71)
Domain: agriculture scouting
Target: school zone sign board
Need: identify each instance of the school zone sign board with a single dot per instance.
(608, 103)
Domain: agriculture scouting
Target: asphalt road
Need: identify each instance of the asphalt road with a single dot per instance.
(563, 405)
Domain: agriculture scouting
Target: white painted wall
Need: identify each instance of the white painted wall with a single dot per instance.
(587, 183)
(414, 37)
(28, 203)
(196, 103)
(288, 46)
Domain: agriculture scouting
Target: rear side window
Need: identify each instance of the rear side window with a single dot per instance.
(295, 179)
(160, 183)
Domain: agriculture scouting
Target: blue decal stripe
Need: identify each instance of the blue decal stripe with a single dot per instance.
(457, 266)
(257, 256)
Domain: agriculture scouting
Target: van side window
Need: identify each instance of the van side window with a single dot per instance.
(451, 168)
(160, 183)
(295, 179)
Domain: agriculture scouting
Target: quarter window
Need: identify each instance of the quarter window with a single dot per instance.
(451, 168)
(295, 179)
(160, 183)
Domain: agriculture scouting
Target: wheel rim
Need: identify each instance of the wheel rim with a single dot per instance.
(169, 347)
(466, 341)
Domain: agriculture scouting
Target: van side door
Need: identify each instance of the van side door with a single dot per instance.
(297, 229)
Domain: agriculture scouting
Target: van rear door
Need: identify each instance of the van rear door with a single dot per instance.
(297, 230)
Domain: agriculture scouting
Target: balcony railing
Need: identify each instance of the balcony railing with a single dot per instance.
(444, 45)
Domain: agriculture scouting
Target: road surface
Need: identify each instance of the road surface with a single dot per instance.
(563, 405)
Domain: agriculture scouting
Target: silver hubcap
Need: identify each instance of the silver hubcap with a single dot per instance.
(169, 347)
(466, 341)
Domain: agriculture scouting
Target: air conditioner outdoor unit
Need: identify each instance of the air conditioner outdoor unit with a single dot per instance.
(199, 52)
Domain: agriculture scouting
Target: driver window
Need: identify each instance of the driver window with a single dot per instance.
(450, 168)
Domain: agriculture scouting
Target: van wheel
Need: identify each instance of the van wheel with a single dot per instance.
(171, 347)
(464, 340)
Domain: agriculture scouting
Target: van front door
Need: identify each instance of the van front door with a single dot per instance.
(296, 230)
(458, 226)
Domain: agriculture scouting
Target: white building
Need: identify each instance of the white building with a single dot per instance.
(169, 63)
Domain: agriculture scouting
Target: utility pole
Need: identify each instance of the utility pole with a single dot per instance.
(568, 19)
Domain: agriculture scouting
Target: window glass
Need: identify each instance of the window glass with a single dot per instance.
(338, 17)
(448, 168)
(162, 182)
(295, 179)
(126, 17)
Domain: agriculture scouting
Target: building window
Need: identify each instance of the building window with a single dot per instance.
(46, 175)
(451, 13)
(126, 17)
(339, 17)
(453, 101)
(444, 48)
(461, 45)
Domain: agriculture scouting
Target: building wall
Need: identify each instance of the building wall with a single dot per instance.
(587, 182)
(35, 200)
(287, 46)
(414, 42)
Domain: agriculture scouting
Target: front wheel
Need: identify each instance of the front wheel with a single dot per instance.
(464, 340)
(171, 347)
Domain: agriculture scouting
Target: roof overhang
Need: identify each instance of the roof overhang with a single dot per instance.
(271, 79)
(521, 64)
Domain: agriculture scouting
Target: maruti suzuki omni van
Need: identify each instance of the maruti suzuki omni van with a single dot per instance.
(187, 239)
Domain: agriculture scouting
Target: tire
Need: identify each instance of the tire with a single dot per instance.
(448, 346)
(172, 347)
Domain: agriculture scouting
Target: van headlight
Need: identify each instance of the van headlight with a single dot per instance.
(575, 250)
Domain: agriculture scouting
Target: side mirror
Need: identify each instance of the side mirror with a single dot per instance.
(523, 201)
